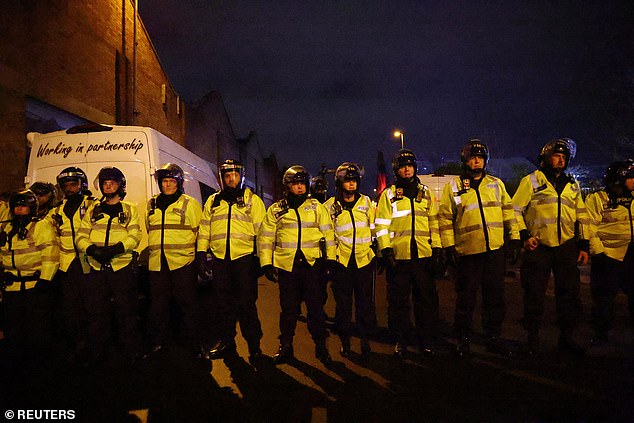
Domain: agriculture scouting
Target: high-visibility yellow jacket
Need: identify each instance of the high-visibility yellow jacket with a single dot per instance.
(174, 232)
(475, 220)
(285, 230)
(613, 228)
(399, 218)
(4, 211)
(354, 228)
(236, 224)
(38, 251)
(101, 227)
(67, 231)
(548, 216)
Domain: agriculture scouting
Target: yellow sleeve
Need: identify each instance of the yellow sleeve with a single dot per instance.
(326, 227)
(383, 220)
(433, 221)
(46, 237)
(133, 238)
(508, 213)
(594, 207)
(520, 201)
(258, 211)
(266, 237)
(446, 211)
(83, 233)
(202, 242)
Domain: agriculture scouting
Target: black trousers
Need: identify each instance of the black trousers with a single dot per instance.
(181, 286)
(485, 270)
(535, 271)
(606, 279)
(303, 283)
(354, 283)
(29, 316)
(98, 289)
(412, 278)
(235, 286)
(73, 312)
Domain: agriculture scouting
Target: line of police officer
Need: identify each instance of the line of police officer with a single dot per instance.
(299, 239)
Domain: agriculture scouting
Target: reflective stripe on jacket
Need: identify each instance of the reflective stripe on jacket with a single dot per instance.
(174, 232)
(38, 251)
(475, 220)
(398, 220)
(125, 230)
(235, 224)
(284, 231)
(548, 216)
(613, 228)
(353, 228)
(68, 231)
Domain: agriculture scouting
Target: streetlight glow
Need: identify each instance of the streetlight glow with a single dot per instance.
(398, 134)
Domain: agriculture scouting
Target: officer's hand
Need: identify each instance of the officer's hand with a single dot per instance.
(514, 249)
(204, 266)
(451, 256)
(270, 272)
(437, 263)
(115, 250)
(99, 253)
(531, 243)
(582, 259)
(389, 261)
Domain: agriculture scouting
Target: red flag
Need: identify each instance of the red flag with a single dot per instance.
(381, 175)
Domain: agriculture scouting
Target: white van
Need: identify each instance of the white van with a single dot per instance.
(136, 151)
(436, 183)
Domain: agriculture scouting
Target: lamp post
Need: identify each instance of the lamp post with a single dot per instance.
(399, 134)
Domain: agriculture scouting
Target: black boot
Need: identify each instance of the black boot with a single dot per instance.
(255, 356)
(567, 344)
(321, 352)
(400, 349)
(496, 346)
(284, 354)
(366, 350)
(154, 351)
(463, 349)
(345, 346)
(222, 348)
(426, 349)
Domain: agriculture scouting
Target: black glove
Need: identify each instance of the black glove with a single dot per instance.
(451, 256)
(99, 253)
(514, 249)
(203, 262)
(8, 278)
(270, 272)
(437, 263)
(389, 261)
(115, 250)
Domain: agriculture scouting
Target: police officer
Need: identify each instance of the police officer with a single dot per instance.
(173, 218)
(353, 217)
(108, 235)
(474, 215)
(30, 257)
(611, 246)
(319, 188)
(230, 223)
(409, 241)
(67, 218)
(295, 238)
(548, 206)
(46, 197)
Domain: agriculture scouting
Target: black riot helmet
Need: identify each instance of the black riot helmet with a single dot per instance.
(23, 198)
(170, 170)
(319, 188)
(48, 192)
(474, 147)
(295, 174)
(565, 146)
(404, 157)
(347, 172)
(73, 174)
(231, 165)
(616, 174)
(111, 173)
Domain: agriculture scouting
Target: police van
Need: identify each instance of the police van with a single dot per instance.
(436, 184)
(136, 151)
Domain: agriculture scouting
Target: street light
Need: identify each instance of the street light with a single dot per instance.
(399, 134)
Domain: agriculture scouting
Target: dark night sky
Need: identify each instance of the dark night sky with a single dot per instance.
(326, 81)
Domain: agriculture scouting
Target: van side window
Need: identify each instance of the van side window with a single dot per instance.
(205, 191)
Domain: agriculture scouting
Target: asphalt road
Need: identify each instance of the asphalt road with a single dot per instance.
(176, 388)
